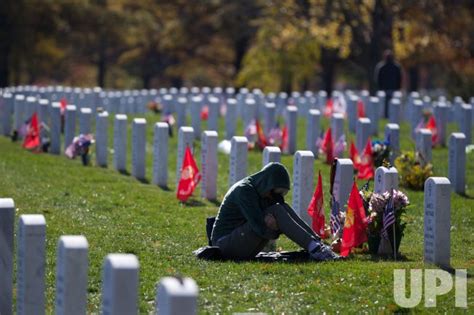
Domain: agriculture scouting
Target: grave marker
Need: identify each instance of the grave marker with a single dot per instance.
(313, 130)
(160, 154)
(303, 171)
(19, 112)
(209, 164)
(7, 221)
(416, 115)
(363, 132)
(352, 112)
(43, 112)
(457, 162)
(337, 126)
(101, 139)
(120, 142)
(85, 116)
(343, 180)
(212, 122)
(466, 122)
(238, 159)
(441, 112)
(138, 147)
(7, 110)
(55, 130)
(120, 285)
(31, 264)
(271, 154)
(230, 118)
(69, 125)
(181, 112)
(437, 221)
(176, 296)
(386, 179)
(185, 138)
(196, 104)
(291, 124)
(392, 133)
(373, 114)
(71, 275)
(270, 117)
(395, 110)
(424, 143)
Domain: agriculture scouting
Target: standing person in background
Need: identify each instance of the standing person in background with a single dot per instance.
(388, 77)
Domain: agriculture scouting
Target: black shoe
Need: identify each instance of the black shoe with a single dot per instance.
(323, 253)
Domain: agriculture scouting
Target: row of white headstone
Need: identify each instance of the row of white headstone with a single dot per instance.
(120, 276)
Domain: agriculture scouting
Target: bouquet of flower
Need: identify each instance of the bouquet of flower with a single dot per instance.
(413, 169)
(380, 152)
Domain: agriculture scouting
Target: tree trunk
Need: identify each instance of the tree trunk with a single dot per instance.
(413, 78)
(4, 67)
(328, 65)
(101, 65)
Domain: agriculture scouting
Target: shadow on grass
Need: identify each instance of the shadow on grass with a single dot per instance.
(164, 187)
(465, 195)
(143, 180)
(400, 258)
(194, 203)
(215, 202)
(124, 172)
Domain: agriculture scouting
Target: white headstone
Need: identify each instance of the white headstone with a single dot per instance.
(238, 159)
(176, 296)
(71, 275)
(386, 179)
(271, 154)
(43, 112)
(19, 110)
(196, 105)
(181, 105)
(373, 114)
(85, 116)
(209, 164)
(250, 111)
(120, 142)
(69, 125)
(212, 122)
(230, 118)
(31, 264)
(55, 129)
(441, 112)
(313, 129)
(270, 117)
(437, 221)
(337, 126)
(101, 139)
(185, 138)
(138, 147)
(363, 132)
(424, 143)
(352, 111)
(381, 96)
(395, 110)
(392, 133)
(466, 122)
(160, 154)
(303, 170)
(7, 221)
(6, 109)
(457, 162)
(343, 181)
(120, 285)
(416, 115)
(291, 124)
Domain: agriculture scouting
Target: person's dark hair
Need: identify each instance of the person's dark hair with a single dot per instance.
(388, 55)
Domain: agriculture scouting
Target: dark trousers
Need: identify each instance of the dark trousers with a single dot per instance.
(243, 243)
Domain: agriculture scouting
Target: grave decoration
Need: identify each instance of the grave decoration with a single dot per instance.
(413, 169)
(380, 152)
(80, 147)
(154, 107)
(385, 217)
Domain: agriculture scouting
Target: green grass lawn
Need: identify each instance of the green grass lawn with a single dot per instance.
(119, 214)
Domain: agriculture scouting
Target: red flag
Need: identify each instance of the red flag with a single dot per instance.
(328, 110)
(284, 139)
(32, 138)
(205, 112)
(366, 165)
(261, 141)
(360, 109)
(431, 125)
(328, 146)
(354, 156)
(190, 176)
(63, 104)
(355, 225)
(316, 210)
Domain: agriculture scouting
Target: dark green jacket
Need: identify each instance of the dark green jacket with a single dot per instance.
(244, 202)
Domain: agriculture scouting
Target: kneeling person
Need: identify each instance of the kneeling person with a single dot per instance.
(253, 212)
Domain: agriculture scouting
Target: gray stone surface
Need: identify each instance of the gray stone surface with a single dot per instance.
(85, 118)
(352, 111)
(43, 111)
(120, 285)
(424, 143)
(138, 148)
(196, 105)
(303, 171)
(337, 126)
(176, 296)
(343, 181)
(271, 154)
(69, 125)
(102, 139)
(160, 154)
(6, 109)
(416, 115)
(372, 113)
(457, 162)
(392, 132)
(386, 179)
(55, 128)
(31, 262)
(313, 130)
(7, 221)
(466, 122)
(120, 142)
(209, 141)
(441, 112)
(230, 118)
(212, 122)
(19, 113)
(395, 111)
(363, 132)
(238, 159)
(185, 138)
(71, 275)
(437, 221)
(269, 117)
(181, 112)
(291, 123)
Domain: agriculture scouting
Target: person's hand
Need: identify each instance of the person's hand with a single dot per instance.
(271, 222)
